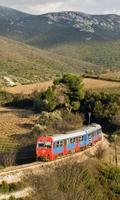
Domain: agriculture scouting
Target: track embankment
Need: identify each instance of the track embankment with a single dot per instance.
(15, 173)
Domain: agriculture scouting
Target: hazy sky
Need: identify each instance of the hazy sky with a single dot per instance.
(43, 6)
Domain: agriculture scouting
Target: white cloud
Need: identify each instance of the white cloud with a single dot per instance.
(43, 6)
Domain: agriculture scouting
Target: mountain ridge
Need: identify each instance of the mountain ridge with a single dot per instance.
(58, 27)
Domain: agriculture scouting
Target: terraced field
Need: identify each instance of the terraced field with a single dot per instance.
(14, 121)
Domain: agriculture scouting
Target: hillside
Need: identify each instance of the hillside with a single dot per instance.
(106, 54)
(25, 64)
(56, 28)
(76, 42)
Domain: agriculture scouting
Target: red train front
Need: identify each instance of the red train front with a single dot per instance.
(44, 148)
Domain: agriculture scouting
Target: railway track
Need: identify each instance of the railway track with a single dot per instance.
(33, 166)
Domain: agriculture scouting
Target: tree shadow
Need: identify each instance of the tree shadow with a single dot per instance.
(26, 125)
(25, 152)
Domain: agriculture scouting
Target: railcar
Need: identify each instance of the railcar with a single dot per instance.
(52, 146)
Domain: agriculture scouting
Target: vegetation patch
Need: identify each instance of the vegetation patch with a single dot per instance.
(11, 187)
(74, 180)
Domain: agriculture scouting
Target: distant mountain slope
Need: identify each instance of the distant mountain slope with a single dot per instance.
(24, 63)
(106, 54)
(56, 28)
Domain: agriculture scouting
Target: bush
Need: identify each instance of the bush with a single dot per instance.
(45, 101)
(75, 105)
(58, 121)
(76, 180)
(50, 99)
(8, 158)
(5, 97)
(100, 151)
(103, 106)
(4, 187)
(75, 85)
(12, 198)
(66, 92)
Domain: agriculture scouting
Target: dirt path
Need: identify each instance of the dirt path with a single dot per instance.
(94, 83)
(88, 82)
(30, 88)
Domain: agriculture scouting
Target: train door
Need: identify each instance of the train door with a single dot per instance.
(77, 146)
(90, 138)
(65, 150)
(86, 138)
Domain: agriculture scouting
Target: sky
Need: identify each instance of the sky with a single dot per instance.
(45, 6)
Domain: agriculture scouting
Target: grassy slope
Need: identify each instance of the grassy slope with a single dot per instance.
(25, 63)
(106, 54)
(28, 64)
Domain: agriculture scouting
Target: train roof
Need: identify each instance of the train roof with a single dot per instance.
(92, 128)
(76, 133)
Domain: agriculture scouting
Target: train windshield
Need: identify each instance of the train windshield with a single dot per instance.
(48, 144)
(44, 144)
(40, 144)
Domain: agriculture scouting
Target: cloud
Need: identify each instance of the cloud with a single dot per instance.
(43, 6)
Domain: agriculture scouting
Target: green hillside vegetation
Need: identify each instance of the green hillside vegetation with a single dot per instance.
(24, 63)
(70, 180)
(106, 54)
(68, 96)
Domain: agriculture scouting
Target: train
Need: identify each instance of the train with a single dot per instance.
(50, 147)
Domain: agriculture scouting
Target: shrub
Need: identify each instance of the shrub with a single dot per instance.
(5, 97)
(12, 198)
(16, 186)
(66, 92)
(100, 151)
(75, 105)
(8, 158)
(58, 121)
(4, 187)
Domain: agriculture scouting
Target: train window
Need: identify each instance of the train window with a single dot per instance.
(79, 138)
(67, 141)
(54, 145)
(57, 144)
(48, 144)
(99, 132)
(40, 144)
(72, 140)
(90, 136)
(61, 143)
(95, 133)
